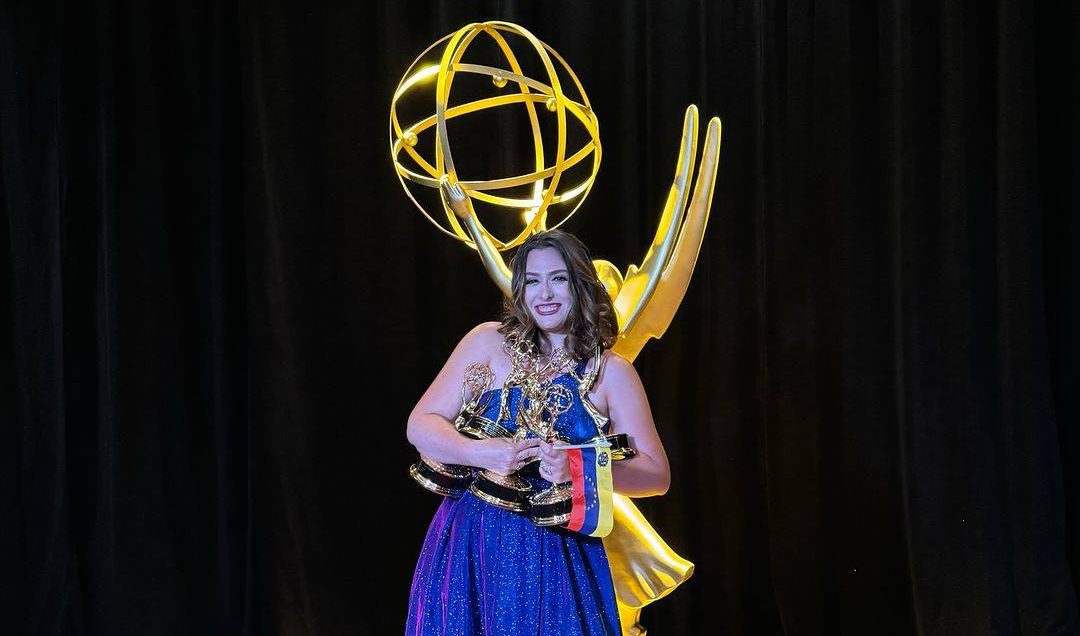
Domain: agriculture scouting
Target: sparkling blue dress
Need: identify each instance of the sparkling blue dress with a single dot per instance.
(485, 570)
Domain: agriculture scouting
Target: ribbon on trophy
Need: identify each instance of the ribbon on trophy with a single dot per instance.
(592, 505)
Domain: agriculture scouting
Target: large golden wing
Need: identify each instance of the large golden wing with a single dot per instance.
(640, 281)
(651, 294)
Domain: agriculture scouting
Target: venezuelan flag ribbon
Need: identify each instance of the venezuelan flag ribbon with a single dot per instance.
(590, 473)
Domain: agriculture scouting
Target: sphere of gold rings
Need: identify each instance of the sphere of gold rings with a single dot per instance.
(545, 182)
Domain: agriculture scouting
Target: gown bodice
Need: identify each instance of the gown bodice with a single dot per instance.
(576, 424)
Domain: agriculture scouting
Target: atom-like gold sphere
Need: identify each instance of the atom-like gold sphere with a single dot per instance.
(545, 182)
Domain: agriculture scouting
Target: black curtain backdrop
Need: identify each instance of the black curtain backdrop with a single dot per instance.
(222, 308)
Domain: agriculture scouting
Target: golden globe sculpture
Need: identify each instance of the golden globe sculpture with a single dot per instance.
(540, 98)
(646, 296)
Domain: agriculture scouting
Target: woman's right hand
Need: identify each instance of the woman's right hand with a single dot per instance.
(503, 456)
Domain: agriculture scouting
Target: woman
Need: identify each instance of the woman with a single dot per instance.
(486, 570)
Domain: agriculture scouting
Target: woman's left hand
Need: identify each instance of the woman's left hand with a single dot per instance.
(554, 464)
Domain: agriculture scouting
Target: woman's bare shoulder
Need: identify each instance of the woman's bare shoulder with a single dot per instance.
(482, 340)
(617, 363)
(616, 372)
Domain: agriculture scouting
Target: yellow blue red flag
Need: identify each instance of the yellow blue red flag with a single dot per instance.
(592, 505)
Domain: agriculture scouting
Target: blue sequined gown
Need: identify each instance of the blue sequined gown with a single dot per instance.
(485, 570)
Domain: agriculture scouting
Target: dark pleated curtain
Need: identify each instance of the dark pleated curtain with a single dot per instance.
(127, 498)
(222, 308)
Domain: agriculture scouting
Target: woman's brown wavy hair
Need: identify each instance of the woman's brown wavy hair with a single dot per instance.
(591, 321)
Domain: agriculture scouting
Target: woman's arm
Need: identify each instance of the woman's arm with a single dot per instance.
(647, 473)
(430, 428)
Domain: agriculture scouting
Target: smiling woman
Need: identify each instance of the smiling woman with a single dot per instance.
(556, 298)
(547, 290)
(486, 568)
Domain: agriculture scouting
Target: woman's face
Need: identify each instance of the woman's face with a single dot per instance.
(547, 289)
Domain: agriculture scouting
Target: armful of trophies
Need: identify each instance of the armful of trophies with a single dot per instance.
(581, 504)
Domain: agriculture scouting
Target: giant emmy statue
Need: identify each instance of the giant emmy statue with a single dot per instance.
(645, 297)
